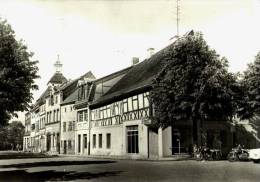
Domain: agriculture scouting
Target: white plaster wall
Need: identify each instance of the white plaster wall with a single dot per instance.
(116, 140)
(119, 140)
(69, 115)
(81, 132)
(167, 141)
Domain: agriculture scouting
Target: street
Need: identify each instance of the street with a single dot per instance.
(86, 169)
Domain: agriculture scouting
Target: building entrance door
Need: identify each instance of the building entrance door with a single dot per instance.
(48, 142)
(79, 143)
(65, 147)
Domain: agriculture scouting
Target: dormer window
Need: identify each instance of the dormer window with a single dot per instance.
(52, 100)
(81, 92)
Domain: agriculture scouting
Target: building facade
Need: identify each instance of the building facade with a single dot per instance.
(112, 116)
(27, 133)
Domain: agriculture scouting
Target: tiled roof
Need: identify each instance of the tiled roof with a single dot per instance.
(71, 98)
(57, 78)
(41, 99)
(137, 80)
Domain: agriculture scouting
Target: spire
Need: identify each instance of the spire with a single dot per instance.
(58, 65)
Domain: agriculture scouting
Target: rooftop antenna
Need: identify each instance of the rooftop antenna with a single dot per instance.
(178, 16)
(177, 20)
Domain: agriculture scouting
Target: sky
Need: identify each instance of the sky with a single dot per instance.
(104, 35)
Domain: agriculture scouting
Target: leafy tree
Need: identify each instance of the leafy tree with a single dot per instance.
(194, 85)
(15, 133)
(250, 83)
(3, 136)
(17, 74)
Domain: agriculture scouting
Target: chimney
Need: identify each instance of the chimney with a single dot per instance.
(150, 52)
(135, 60)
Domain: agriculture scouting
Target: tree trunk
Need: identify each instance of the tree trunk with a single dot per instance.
(197, 132)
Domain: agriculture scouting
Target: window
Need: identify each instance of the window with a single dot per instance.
(80, 116)
(33, 126)
(105, 112)
(86, 115)
(112, 109)
(125, 107)
(50, 117)
(69, 145)
(52, 100)
(70, 126)
(93, 115)
(140, 101)
(64, 126)
(73, 125)
(116, 108)
(56, 99)
(108, 140)
(101, 113)
(94, 141)
(146, 101)
(54, 114)
(108, 111)
(57, 115)
(130, 104)
(132, 139)
(81, 92)
(65, 109)
(135, 102)
(79, 143)
(100, 140)
(85, 141)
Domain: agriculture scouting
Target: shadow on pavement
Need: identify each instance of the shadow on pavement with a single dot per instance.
(53, 163)
(23, 175)
(21, 155)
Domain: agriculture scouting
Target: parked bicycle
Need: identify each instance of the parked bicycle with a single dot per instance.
(205, 153)
(238, 154)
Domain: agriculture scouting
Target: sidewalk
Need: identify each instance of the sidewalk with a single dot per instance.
(181, 157)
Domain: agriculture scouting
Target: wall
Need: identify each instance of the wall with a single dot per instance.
(119, 140)
(116, 140)
(68, 114)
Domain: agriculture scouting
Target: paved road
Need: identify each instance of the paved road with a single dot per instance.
(83, 169)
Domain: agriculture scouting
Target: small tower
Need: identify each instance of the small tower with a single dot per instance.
(58, 65)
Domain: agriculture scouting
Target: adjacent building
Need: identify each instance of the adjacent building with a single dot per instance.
(27, 140)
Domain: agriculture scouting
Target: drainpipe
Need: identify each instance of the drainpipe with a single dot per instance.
(89, 128)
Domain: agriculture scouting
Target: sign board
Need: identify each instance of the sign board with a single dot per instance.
(146, 121)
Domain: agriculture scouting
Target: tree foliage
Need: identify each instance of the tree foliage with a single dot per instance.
(17, 74)
(250, 83)
(11, 136)
(194, 84)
